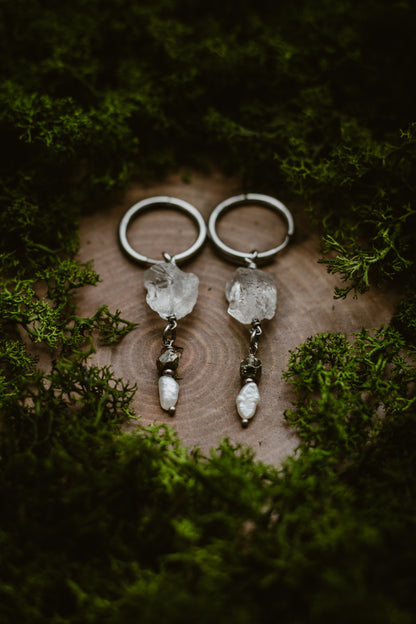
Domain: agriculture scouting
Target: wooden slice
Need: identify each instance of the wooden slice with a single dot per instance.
(213, 342)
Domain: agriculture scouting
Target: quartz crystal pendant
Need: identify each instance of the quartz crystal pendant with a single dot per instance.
(252, 295)
(170, 291)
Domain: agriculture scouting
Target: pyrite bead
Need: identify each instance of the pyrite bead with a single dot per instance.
(168, 359)
(250, 367)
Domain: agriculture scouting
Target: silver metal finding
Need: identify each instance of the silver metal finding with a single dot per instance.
(157, 202)
(169, 333)
(167, 257)
(249, 260)
(241, 257)
(255, 332)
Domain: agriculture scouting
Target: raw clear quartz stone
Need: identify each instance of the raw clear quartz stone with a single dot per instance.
(170, 291)
(247, 400)
(252, 295)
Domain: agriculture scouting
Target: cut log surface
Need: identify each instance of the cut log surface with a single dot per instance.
(213, 342)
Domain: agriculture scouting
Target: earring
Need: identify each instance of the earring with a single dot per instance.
(251, 293)
(171, 293)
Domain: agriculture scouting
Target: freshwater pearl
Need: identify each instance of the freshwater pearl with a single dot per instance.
(168, 392)
(247, 400)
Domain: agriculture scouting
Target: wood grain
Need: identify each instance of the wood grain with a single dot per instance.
(213, 342)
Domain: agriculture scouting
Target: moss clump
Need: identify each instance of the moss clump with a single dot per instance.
(102, 526)
(298, 98)
(301, 98)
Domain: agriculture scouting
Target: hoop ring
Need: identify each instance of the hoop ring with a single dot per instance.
(156, 202)
(240, 257)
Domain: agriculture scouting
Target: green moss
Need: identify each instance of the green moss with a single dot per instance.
(306, 97)
(99, 525)
(347, 391)
(301, 99)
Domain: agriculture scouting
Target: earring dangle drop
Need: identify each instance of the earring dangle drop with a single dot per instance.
(251, 293)
(171, 292)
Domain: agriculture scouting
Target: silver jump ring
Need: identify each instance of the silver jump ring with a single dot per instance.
(156, 202)
(241, 257)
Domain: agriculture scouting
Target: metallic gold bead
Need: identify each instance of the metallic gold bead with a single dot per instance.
(250, 367)
(168, 359)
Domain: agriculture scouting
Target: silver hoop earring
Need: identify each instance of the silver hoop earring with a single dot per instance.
(251, 293)
(171, 293)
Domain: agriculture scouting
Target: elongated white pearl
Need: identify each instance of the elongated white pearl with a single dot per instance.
(168, 392)
(247, 400)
